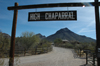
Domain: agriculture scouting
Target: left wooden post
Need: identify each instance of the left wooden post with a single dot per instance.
(12, 47)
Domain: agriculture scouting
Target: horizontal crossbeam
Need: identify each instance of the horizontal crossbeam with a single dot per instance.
(55, 5)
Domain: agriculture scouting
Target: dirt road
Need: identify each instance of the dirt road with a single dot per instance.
(58, 57)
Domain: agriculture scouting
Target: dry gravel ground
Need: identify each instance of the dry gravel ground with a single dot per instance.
(57, 57)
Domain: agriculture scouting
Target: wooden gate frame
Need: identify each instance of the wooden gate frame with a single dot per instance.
(96, 4)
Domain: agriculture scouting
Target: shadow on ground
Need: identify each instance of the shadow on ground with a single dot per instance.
(86, 65)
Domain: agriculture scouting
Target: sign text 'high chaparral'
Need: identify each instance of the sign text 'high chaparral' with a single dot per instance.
(52, 15)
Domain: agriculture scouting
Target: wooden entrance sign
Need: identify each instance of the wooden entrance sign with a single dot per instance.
(86, 4)
(52, 15)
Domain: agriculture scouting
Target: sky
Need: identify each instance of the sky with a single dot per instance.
(84, 25)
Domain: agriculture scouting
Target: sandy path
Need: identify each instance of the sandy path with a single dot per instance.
(58, 57)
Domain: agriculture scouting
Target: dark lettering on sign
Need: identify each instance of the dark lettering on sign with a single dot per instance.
(54, 15)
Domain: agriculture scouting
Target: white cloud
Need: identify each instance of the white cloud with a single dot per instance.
(88, 27)
(91, 24)
(87, 0)
(85, 30)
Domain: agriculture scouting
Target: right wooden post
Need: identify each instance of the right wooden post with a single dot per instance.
(97, 32)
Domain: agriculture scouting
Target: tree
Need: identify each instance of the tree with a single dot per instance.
(4, 44)
(92, 47)
(45, 43)
(57, 42)
(69, 45)
(85, 46)
(45, 46)
(29, 40)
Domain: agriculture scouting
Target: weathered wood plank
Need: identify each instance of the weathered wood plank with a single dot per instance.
(80, 4)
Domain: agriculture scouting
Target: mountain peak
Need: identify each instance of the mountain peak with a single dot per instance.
(64, 30)
(65, 33)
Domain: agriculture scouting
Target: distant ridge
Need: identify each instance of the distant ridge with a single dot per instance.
(41, 36)
(64, 34)
(67, 34)
(5, 35)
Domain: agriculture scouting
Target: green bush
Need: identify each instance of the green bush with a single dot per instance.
(69, 45)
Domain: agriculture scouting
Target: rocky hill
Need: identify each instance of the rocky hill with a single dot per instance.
(41, 36)
(67, 34)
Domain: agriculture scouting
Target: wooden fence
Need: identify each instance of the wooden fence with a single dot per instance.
(34, 51)
(91, 59)
(89, 55)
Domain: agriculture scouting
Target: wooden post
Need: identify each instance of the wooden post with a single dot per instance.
(97, 31)
(86, 57)
(93, 59)
(12, 47)
(35, 50)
